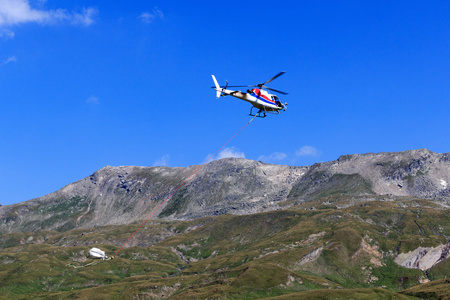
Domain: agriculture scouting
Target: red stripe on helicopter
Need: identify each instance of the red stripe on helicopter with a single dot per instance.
(257, 93)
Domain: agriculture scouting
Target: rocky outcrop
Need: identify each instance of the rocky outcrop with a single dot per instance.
(423, 258)
(310, 257)
(371, 251)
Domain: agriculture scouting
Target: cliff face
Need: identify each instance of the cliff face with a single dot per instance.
(423, 258)
(120, 195)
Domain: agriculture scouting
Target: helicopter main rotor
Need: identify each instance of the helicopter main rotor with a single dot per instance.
(263, 85)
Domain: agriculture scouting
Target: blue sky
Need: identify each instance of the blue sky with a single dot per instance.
(90, 83)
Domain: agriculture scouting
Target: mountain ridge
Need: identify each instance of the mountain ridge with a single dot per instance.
(120, 195)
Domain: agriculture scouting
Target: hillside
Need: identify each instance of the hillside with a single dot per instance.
(332, 251)
(370, 226)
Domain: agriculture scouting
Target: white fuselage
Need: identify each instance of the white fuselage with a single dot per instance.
(258, 98)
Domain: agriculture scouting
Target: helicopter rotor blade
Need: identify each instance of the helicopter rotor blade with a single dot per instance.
(261, 85)
(242, 85)
(267, 88)
(274, 77)
(226, 85)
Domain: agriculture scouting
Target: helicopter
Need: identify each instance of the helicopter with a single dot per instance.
(258, 97)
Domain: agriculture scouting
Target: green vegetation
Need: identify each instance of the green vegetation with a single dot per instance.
(322, 185)
(439, 289)
(177, 204)
(325, 253)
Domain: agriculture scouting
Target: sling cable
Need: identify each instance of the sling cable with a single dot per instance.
(174, 191)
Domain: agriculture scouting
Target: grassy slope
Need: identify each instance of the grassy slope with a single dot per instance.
(237, 257)
(439, 289)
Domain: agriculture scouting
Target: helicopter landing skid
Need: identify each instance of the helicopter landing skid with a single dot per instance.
(260, 114)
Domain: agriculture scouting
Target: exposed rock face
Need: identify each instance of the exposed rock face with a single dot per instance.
(310, 256)
(423, 258)
(371, 251)
(420, 173)
(119, 195)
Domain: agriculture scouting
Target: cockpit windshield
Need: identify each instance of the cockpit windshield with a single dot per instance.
(277, 101)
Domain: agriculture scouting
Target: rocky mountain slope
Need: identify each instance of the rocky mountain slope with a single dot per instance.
(419, 173)
(372, 226)
(120, 195)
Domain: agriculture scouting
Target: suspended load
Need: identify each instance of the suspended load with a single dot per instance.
(97, 253)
